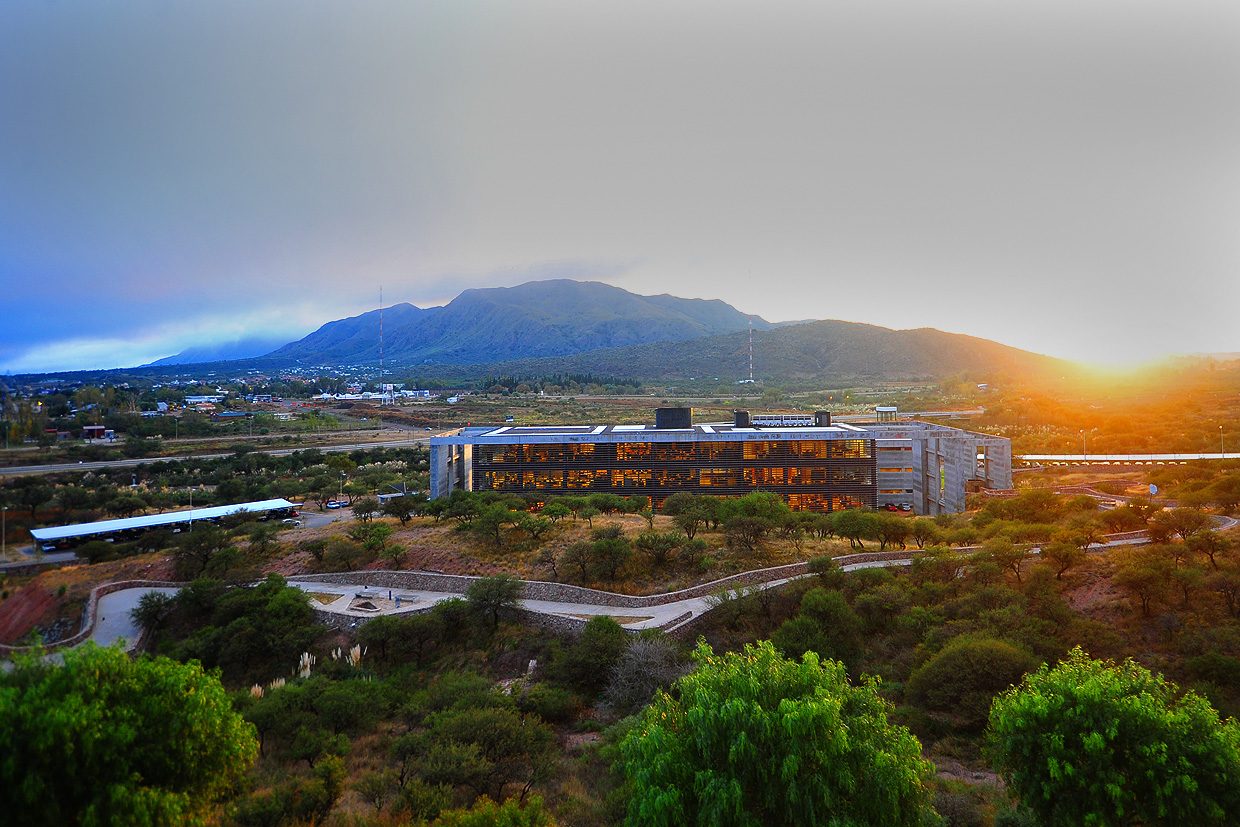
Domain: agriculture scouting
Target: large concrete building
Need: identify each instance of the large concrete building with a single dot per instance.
(814, 464)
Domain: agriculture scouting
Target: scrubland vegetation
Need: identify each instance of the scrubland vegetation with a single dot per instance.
(1098, 684)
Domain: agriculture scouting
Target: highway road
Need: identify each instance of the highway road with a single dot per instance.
(62, 467)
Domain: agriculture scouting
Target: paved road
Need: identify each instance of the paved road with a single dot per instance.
(61, 467)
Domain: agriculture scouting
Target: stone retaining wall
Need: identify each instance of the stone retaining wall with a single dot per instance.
(547, 590)
(30, 569)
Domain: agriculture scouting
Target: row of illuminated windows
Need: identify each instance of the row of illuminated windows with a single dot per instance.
(648, 452)
(815, 501)
(705, 477)
(824, 502)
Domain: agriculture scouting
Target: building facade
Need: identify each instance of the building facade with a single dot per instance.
(813, 464)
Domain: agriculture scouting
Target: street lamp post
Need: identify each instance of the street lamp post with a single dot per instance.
(1221, 452)
(4, 527)
(1084, 449)
(340, 499)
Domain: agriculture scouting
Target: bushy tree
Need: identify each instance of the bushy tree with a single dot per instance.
(103, 739)
(658, 547)
(588, 661)
(965, 675)
(486, 813)
(751, 738)
(1093, 742)
(490, 598)
(826, 625)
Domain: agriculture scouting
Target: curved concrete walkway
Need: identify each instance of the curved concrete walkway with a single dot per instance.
(115, 625)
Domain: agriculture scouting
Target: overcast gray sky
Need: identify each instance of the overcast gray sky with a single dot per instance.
(1059, 176)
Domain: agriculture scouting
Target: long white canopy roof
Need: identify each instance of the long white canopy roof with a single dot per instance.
(154, 520)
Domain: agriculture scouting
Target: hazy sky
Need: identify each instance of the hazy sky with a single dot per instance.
(1062, 176)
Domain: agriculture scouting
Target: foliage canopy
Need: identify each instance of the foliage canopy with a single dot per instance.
(107, 740)
(752, 738)
(1090, 742)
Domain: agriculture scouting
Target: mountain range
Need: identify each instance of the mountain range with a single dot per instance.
(541, 318)
(570, 326)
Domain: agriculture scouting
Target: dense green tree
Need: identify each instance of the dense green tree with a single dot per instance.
(1146, 575)
(751, 738)
(1092, 742)
(32, 493)
(366, 508)
(587, 662)
(688, 511)
(196, 547)
(1226, 582)
(515, 748)
(923, 531)
(486, 813)
(1006, 555)
(106, 740)
(1178, 522)
(609, 554)
(1062, 556)
(577, 556)
(555, 511)
(828, 571)
(491, 520)
(826, 625)
(891, 530)
(404, 508)
(658, 547)
(152, 610)
(1225, 492)
(535, 527)
(252, 633)
(490, 598)
(965, 675)
(854, 525)
(1211, 544)
(746, 531)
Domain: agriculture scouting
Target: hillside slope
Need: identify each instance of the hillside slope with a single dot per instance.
(834, 351)
(536, 319)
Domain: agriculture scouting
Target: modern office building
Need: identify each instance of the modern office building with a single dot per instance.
(813, 463)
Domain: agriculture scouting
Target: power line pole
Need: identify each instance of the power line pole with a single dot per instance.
(381, 341)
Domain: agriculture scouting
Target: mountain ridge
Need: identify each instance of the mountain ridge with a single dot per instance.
(562, 325)
(536, 319)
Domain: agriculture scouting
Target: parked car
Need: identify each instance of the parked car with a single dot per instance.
(892, 507)
(291, 522)
(334, 504)
(906, 506)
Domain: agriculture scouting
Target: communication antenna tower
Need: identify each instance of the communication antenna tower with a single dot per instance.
(751, 349)
(380, 338)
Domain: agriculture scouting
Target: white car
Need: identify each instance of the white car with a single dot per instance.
(333, 504)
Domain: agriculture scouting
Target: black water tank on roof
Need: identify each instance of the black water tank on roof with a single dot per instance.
(673, 417)
(740, 419)
(822, 419)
